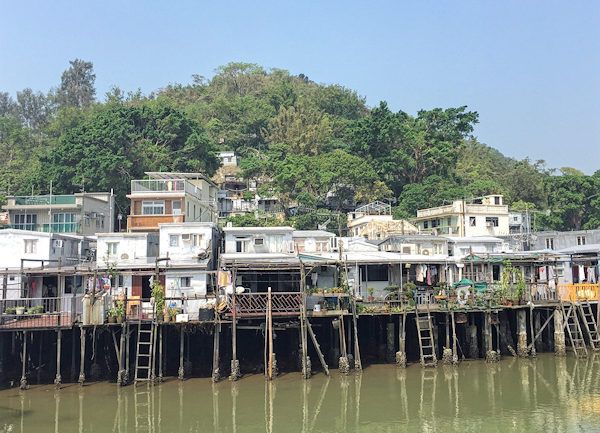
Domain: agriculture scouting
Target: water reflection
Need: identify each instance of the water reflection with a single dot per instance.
(546, 393)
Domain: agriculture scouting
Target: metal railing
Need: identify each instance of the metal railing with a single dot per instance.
(37, 200)
(33, 313)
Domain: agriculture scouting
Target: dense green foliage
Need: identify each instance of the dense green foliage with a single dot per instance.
(318, 148)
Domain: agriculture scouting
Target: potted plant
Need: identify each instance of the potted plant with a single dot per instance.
(408, 291)
(440, 291)
(19, 310)
(370, 292)
(120, 311)
(171, 314)
(11, 310)
(112, 315)
(159, 300)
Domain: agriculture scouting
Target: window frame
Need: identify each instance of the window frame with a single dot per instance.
(153, 207)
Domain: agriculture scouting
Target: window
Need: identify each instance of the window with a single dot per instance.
(425, 224)
(30, 246)
(176, 207)
(550, 243)
(112, 248)
(449, 221)
(259, 241)
(241, 245)
(580, 240)
(491, 221)
(377, 272)
(472, 221)
(516, 219)
(173, 240)
(185, 282)
(405, 250)
(25, 222)
(196, 240)
(153, 207)
(496, 200)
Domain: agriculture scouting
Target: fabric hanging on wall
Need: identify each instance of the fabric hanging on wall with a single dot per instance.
(420, 276)
(542, 276)
(581, 269)
(224, 278)
(591, 273)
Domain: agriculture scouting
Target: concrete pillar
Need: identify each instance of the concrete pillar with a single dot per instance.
(473, 342)
(58, 379)
(490, 354)
(522, 333)
(82, 358)
(537, 324)
(391, 343)
(401, 353)
(24, 363)
(559, 334)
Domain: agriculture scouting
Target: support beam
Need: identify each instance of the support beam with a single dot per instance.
(23, 384)
(160, 353)
(531, 330)
(216, 374)
(447, 353)
(343, 365)
(121, 374)
(540, 330)
(181, 372)
(522, 333)
(82, 358)
(58, 379)
(560, 348)
(401, 354)
(357, 360)
(490, 354)
(235, 363)
(317, 347)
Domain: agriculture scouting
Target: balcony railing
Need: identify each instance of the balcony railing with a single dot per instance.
(37, 200)
(62, 228)
(256, 304)
(34, 313)
(578, 292)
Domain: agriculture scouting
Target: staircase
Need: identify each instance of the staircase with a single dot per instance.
(144, 357)
(571, 323)
(590, 325)
(426, 340)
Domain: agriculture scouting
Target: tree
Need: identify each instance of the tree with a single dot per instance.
(121, 143)
(7, 105)
(33, 109)
(77, 85)
(19, 157)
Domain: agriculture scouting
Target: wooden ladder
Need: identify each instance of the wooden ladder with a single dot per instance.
(590, 325)
(571, 323)
(144, 357)
(426, 339)
(143, 410)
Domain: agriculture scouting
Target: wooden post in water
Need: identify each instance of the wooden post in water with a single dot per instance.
(531, 328)
(343, 366)
(521, 333)
(121, 374)
(235, 363)
(454, 343)
(160, 354)
(216, 374)
(270, 332)
(24, 362)
(357, 360)
(401, 354)
(58, 379)
(181, 372)
(447, 354)
(82, 357)
(306, 366)
(560, 348)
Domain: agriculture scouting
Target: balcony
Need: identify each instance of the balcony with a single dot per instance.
(151, 187)
(44, 200)
(144, 222)
(62, 228)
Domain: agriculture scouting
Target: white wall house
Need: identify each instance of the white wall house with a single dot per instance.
(313, 241)
(36, 247)
(463, 246)
(259, 240)
(192, 252)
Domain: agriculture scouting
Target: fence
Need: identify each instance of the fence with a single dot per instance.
(256, 304)
(28, 313)
(578, 292)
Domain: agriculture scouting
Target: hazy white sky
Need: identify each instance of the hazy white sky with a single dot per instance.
(531, 69)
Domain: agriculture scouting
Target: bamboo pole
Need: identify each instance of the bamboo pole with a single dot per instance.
(270, 326)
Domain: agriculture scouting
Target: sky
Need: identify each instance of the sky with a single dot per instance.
(531, 69)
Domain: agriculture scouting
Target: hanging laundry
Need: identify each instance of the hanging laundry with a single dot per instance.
(542, 274)
(314, 277)
(434, 270)
(420, 277)
(581, 269)
(224, 278)
(550, 273)
(591, 273)
(428, 276)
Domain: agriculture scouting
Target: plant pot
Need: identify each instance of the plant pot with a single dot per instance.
(112, 319)
(119, 319)
(167, 318)
(20, 310)
(371, 298)
(160, 317)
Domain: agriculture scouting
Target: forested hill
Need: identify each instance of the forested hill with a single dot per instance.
(302, 139)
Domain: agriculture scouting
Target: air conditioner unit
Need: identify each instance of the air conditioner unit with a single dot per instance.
(185, 237)
(94, 215)
(58, 243)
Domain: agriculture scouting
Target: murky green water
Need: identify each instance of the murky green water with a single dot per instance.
(547, 394)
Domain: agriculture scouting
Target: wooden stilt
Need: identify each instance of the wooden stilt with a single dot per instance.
(270, 332)
(216, 375)
(531, 331)
(181, 346)
(73, 355)
(121, 374)
(235, 364)
(160, 354)
(357, 360)
(127, 343)
(39, 363)
(454, 341)
(82, 358)
(24, 362)
(317, 347)
(58, 379)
